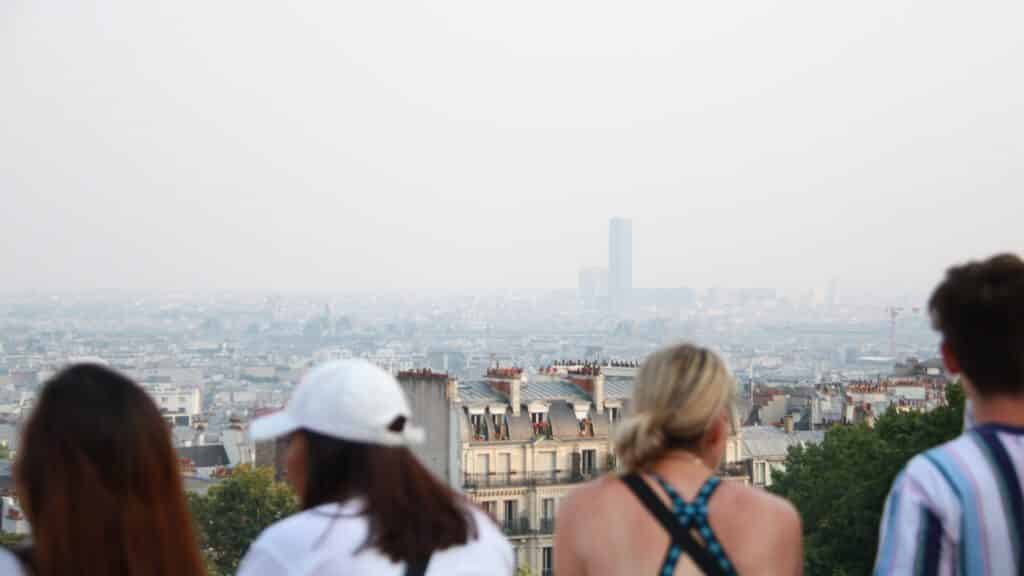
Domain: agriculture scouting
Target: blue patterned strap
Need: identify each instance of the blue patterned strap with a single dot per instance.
(682, 539)
(695, 515)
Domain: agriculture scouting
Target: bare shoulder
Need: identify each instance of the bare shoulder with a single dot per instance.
(755, 502)
(594, 496)
(758, 528)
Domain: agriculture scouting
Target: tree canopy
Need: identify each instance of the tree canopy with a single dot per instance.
(233, 513)
(840, 486)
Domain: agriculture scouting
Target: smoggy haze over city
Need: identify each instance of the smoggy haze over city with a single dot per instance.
(477, 145)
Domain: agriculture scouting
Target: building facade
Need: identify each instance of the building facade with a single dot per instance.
(517, 445)
(620, 263)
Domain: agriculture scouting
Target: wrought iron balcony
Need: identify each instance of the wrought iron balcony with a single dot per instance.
(517, 526)
(513, 479)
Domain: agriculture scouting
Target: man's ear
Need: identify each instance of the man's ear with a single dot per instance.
(949, 359)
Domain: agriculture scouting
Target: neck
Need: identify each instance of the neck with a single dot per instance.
(1007, 410)
(692, 458)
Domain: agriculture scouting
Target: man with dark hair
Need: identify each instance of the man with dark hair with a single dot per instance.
(959, 508)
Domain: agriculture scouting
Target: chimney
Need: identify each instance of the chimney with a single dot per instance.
(788, 424)
(508, 382)
(590, 381)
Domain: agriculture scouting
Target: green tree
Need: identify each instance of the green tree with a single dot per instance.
(8, 540)
(230, 516)
(840, 486)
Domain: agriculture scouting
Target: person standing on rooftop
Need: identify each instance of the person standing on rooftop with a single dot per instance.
(368, 505)
(959, 508)
(99, 482)
(669, 514)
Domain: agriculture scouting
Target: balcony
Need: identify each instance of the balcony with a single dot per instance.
(734, 471)
(547, 526)
(513, 479)
(517, 526)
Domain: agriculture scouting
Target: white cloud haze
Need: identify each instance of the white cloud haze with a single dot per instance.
(363, 145)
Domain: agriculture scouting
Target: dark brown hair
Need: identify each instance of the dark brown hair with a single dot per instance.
(979, 309)
(99, 481)
(411, 514)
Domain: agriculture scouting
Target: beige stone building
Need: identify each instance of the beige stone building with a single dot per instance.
(517, 444)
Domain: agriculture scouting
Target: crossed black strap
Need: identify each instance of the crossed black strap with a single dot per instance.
(680, 535)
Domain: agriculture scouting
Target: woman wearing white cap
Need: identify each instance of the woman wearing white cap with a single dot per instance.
(368, 506)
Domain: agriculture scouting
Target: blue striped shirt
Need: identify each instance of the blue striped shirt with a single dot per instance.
(958, 508)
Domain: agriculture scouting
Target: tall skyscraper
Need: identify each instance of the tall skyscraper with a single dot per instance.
(620, 263)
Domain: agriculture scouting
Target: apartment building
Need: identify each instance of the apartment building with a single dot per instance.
(179, 405)
(517, 444)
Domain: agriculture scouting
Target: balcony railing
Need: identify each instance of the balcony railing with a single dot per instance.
(517, 526)
(501, 480)
(547, 526)
(734, 470)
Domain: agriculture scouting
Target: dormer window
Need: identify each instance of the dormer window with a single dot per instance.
(479, 426)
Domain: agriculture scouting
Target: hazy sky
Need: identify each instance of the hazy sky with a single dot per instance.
(362, 145)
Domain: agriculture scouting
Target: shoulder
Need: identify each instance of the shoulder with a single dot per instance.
(488, 534)
(755, 501)
(941, 467)
(606, 491)
(941, 478)
(9, 564)
(296, 535)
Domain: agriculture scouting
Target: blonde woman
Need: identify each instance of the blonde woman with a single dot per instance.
(669, 514)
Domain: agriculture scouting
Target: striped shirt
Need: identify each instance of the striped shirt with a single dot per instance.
(958, 508)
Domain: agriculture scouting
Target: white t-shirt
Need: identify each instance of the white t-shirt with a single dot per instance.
(9, 565)
(326, 541)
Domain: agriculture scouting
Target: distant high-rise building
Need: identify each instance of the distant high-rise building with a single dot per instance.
(832, 297)
(620, 263)
(593, 286)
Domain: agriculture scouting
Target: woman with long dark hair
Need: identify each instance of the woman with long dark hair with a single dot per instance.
(98, 480)
(368, 506)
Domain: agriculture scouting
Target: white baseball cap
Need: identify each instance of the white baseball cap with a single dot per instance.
(347, 399)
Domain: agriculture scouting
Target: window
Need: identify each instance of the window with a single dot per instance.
(760, 473)
(537, 417)
(491, 508)
(547, 519)
(500, 427)
(588, 463)
(479, 427)
(547, 562)
(510, 512)
(548, 508)
(613, 415)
